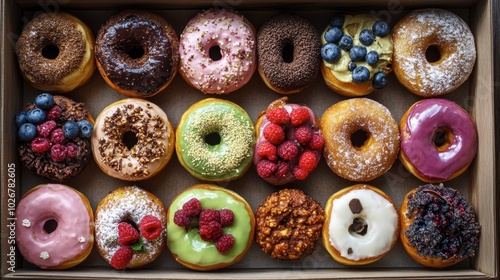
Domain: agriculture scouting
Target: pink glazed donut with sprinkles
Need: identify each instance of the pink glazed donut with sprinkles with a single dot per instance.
(438, 140)
(54, 227)
(218, 51)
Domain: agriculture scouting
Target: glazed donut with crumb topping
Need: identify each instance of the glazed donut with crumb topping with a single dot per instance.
(361, 139)
(217, 49)
(56, 52)
(126, 160)
(137, 53)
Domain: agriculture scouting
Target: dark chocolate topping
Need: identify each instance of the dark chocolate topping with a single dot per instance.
(146, 32)
(282, 31)
(355, 206)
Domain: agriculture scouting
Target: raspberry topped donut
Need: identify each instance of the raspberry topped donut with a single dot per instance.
(217, 49)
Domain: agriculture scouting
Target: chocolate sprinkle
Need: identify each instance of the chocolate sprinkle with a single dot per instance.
(349, 251)
(355, 206)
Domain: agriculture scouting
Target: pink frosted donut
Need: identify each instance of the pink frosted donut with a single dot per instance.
(217, 49)
(54, 226)
(438, 140)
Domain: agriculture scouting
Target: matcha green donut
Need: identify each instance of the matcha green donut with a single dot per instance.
(215, 140)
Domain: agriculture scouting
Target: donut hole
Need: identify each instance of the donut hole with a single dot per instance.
(136, 52)
(442, 138)
(287, 52)
(215, 53)
(358, 227)
(50, 226)
(130, 139)
(50, 51)
(432, 54)
(359, 138)
(213, 139)
(133, 224)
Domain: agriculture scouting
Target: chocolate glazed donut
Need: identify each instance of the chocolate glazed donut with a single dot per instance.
(137, 53)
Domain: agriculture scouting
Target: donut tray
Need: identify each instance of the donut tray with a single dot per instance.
(477, 95)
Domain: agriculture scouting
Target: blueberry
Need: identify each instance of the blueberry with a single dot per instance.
(85, 128)
(379, 80)
(71, 129)
(36, 116)
(330, 52)
(357, 53)
(21, 117)
(371, 57)
(360, 75)
(366, 37)
(345, 42)
(44, 101)
(380, 28)
(27, 132)
(351, 66)
(333, 34)
(337, 21)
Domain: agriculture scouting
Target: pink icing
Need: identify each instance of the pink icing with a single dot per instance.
(424, 119)
(236, 41)
(72, 235)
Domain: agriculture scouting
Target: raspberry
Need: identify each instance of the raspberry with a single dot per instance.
(303, 134)
(226, 217)
(58, 152)
(274, 133)
(288, 150)
(150, 227)
(46, 128)
(267, 150)
(225, 243)
(211, 231)
(54, 113)
(282, 170)
(278, 116)
(317, 142)
(308, 161)
(40, 145)
(299, 173)
(57, 136)
(209, 215)
(122, 257)
(72, 150)
(127, 234)
(181, 219)
(299, 116)
(192, 208)
(265, 168)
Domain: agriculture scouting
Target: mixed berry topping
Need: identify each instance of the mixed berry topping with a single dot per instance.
(209, 222)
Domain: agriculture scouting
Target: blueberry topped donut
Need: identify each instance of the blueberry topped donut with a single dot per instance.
(288, 53)
(357, 54)
(137, 53)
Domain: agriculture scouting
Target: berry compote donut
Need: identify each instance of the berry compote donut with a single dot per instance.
(438, 140)
(288, 53)
(361, 225)
(438, 226)
(217, 49)
(133, 139)
(54, 136)
(445, 33)
(361, 139)
(288, 224)
(54, 226)
(56, 52)
(130, 227)
(289, 142)
(209, 227)
(357, 54)
(137, 53)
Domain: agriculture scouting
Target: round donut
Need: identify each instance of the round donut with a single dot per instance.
(361, 139)
(130, 227)
(217, 49)
(137, 53)
(438, 226)
(151, 134)
(215, 140)
(361, 225)
(209, 227)
(357, 54)
(288, 224)
(54, 226)
(45, 146)
(289, 142)
(56, 52)
(288, 49)
(438, 140)
(436, 29)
